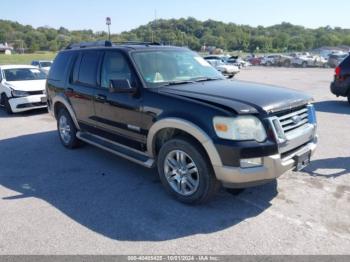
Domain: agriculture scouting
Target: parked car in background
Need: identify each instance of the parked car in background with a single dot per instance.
(22, 88)
(309, 61)
(341, 84)
(237, 61)
(42, 64)
(255, 60)
(222, 58)
(335, 59)
(283, 60)
(227, 70)
(268, 60)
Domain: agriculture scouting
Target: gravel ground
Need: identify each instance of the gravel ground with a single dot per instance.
(87, 201)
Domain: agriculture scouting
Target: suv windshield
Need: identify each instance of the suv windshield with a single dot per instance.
(161, 67)
(23, 74)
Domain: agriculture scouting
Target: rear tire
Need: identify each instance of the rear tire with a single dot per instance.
(66, 130)
(185, 171)
(6, 104)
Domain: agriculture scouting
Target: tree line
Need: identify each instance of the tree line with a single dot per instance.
(183, 32)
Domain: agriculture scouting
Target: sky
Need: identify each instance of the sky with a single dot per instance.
(129, 14)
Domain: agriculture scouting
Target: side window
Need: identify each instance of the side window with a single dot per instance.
(87, 74)
(115, 66)
(59, 66)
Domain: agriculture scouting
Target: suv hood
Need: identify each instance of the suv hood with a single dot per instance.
(30, 85)
(242, 97)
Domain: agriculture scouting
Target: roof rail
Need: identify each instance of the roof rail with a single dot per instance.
(90, 44)
(136, 43)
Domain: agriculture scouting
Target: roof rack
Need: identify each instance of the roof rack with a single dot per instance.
(136, 43)
(90, 44)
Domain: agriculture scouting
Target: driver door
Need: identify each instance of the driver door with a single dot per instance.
(118, 114)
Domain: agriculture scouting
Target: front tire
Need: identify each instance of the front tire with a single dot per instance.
(185, 171)
(6, 104)
(66, 129)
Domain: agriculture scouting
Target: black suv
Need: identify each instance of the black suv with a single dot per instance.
(167, 107)
(341, 84)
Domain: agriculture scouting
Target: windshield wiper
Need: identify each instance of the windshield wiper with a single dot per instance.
(204, 79)
(174, 83)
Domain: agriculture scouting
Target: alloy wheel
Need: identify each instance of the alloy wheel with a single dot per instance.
(181, 172)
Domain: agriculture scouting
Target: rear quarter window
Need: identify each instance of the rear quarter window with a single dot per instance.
(346, 62)
(60, 65)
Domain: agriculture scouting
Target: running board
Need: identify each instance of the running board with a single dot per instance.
(117, 149)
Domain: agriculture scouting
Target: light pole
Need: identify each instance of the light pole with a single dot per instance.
(108, 23)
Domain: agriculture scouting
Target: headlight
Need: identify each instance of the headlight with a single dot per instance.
(239, 128)
(17, 93)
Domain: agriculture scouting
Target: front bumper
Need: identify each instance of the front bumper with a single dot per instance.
(20, 104)
(273, 167)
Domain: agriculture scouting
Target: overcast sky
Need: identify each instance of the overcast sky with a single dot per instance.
(90, 14)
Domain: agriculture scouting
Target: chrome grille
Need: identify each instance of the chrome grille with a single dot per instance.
(294, 120)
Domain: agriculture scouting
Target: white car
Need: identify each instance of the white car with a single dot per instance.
(226, 69)
(268, 60)
(22, 88)
(42, 64)
(310, 61)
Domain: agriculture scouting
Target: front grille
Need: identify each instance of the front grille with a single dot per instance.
(294, 119)
(32, 93)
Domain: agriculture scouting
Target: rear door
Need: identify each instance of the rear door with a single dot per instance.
(82, 85)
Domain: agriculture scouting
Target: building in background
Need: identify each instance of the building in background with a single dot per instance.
(6, 49)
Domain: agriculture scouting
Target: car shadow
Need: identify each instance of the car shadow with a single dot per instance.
(115, 197)
(329, 168)
(337, 107)
(33, 112)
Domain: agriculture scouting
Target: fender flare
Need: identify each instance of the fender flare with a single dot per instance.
(60, 99)
(189, 128)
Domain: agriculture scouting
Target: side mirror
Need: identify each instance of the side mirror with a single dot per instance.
(121, 86)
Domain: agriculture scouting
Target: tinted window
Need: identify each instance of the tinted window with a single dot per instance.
(346, 62)
(114, 67)
(58, 68)
(88, 68)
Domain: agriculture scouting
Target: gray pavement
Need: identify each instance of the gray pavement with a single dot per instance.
(87, 201)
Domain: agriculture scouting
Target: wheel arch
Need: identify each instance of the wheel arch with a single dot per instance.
(188, 128)
(60, 102)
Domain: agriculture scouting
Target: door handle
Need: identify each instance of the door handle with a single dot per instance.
(100, 97)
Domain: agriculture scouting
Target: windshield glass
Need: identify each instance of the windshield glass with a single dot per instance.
(45, 64)
(23, 74)
(162, 67)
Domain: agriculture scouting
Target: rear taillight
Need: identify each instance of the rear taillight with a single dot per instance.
(337, 71)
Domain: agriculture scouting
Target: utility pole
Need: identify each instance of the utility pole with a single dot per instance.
(108, 23)
(155, 26)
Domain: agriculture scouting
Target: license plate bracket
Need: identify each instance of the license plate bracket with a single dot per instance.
(302, 160)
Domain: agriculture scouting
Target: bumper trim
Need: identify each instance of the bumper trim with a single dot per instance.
(274, 166)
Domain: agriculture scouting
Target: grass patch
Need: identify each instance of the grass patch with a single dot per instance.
(25, 59)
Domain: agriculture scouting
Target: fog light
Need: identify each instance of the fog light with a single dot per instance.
(251, 162)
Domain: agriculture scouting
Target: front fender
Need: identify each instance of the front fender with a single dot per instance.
(187, 127)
